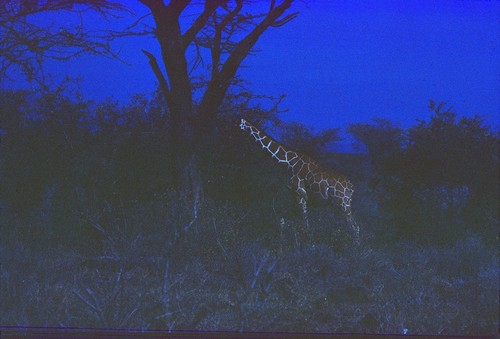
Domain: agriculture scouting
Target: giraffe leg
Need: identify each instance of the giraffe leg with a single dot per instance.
(345, 202)
(354, 225)
(302, 197)
(351, 221)
(303, 204)
(297, 185)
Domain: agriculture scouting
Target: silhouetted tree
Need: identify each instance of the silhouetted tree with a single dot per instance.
(453, 151)
(224, 31)
(305, 140)
(437, 176)
(383, 142)
(229, 34)
(451, 164)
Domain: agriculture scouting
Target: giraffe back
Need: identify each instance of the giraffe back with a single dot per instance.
(307, 175)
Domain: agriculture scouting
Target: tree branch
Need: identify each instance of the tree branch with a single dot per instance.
(27, 44)
(199, 23)
(159, 75)
(244, 46)
(178, 6)
(216, 47)
(153, 5)
(219, 85)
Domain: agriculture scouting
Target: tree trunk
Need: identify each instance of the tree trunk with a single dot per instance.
(187, 131)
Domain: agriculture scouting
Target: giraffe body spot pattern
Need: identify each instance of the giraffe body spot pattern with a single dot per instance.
(307, 175)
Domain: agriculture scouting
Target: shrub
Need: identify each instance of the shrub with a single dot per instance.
(440, 177)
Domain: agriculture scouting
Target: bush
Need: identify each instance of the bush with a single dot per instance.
(93, 235)
(439, 178)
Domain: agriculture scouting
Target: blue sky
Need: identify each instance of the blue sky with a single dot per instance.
(342, 62)
(348, 61)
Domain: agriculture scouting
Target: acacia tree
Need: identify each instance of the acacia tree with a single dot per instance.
(229, 34)
(25, 44)
(226, 30)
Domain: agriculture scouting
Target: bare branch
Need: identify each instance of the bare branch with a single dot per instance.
(26, 45)
(159, 75)
(217, 43)
(221, 81)
(273, 4)
(200, 22)
(153, 5)
(285, 20)
(177, 6)
(135, 23)
(245, 45)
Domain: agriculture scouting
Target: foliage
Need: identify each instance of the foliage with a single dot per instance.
(439, 178)
(224, 32)
(94, 235)
(383, 142)
(304, 140)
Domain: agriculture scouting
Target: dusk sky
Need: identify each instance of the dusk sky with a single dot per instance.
(341, 62)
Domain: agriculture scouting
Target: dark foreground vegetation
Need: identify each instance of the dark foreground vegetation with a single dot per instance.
(93, 234)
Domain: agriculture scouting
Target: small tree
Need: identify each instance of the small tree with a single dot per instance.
(436, 176)
(305, 140)
(452, 151)
(451, 164)
(383, 142)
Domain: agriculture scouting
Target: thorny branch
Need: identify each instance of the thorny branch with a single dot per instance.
(25, 43)
(200, 22)
(224, 42)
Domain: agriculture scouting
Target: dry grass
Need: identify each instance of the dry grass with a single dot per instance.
(222, 277)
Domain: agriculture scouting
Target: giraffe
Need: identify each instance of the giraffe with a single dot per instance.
(308, 177)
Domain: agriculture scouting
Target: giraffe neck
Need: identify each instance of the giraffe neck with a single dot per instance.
(307, 175)
(278, 152)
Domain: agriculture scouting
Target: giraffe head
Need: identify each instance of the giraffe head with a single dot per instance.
(244, 124)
